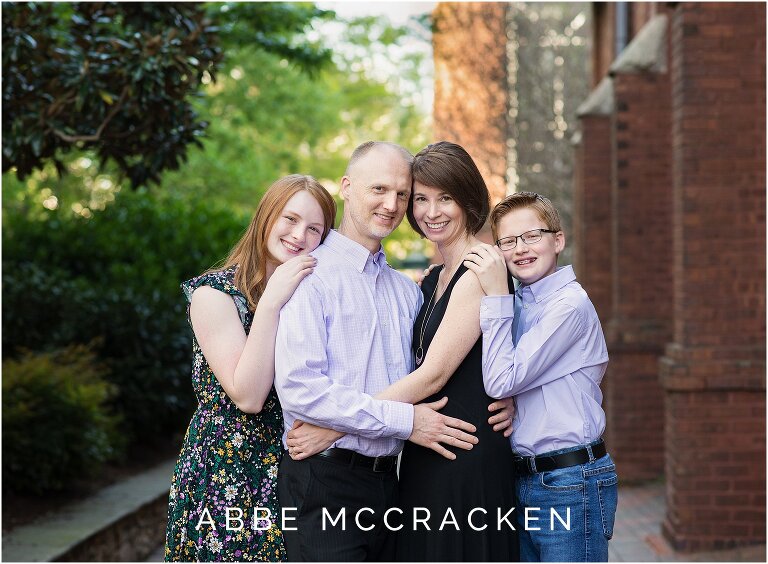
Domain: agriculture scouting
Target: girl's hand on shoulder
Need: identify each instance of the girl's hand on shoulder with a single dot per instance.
(487, 262)
(286, 277)
(305, 440)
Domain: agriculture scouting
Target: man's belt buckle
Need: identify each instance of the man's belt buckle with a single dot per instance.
(382, 464)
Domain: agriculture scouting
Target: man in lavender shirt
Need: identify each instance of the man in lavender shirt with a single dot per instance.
(343, 337)
(544, 345)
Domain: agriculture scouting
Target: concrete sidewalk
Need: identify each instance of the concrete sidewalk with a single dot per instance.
(121, 522)
(637, 532)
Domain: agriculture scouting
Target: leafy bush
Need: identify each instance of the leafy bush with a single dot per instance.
(118, 78)
(57, 426)
(115, 276)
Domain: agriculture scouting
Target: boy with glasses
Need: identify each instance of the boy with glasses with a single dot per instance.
(544, 345)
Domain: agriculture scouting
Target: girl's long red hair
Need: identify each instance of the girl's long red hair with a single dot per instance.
(250, 254)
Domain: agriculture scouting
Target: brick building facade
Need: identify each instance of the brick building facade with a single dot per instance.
(669, 231)
(675, 133)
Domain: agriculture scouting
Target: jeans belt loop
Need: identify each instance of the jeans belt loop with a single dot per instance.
(591, 454)
(532, 464)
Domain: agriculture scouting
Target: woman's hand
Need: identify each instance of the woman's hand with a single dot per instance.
(305, 439)
(502, 421)
(488, 264)
(426, 273)
(286, 278)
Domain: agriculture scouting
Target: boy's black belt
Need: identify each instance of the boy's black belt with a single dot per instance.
(527, 465)
(355, 459)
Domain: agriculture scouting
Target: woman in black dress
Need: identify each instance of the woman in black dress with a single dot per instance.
(449, 206)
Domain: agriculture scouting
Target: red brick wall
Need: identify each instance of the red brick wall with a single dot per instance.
(714, 371)
(716, 469)
(592, 212)
(640, 324)
(471, 95)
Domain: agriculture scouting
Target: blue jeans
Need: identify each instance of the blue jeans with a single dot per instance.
(589, 492)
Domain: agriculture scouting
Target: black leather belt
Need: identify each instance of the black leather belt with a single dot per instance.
(355, 459)
(527, 465)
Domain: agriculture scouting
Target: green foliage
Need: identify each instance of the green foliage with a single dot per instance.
(57, 426)
(269, 119)
(68, 279)
(110, 76)
(118, 79)
(273, 27)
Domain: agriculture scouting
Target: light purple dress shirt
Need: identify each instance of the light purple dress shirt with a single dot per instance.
(552, 364)
(344, 336)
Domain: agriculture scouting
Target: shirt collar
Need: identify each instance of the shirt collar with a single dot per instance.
(353, 251)
(548, 285)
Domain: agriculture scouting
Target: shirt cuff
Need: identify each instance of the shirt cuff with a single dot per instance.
(400, 419)
(497, 307)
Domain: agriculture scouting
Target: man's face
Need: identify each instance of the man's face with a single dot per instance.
(376, 193)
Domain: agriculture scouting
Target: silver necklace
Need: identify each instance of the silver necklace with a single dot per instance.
(427, 315)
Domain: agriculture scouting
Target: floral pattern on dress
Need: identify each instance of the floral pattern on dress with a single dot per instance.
(228, 459)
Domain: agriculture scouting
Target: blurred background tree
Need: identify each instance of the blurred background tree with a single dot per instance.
(114, 78)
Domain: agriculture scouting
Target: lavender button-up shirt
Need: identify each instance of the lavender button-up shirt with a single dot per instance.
(553, 364)
(344, 336)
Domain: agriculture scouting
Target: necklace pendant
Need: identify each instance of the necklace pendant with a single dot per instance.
(419, 356)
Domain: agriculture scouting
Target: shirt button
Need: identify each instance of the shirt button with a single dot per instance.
(525, 306)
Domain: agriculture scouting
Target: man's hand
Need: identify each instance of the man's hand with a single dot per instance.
(305, 439)
(431, 428)
(502, 421)
(488, 264)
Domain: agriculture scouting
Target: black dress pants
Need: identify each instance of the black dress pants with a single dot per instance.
(322, 490)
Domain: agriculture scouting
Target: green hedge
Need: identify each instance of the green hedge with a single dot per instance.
(57, 426)
(115, 277)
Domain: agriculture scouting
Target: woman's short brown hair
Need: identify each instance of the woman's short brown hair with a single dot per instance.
(449, 167)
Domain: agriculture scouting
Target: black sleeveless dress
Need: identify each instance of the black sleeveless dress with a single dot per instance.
(483, 477)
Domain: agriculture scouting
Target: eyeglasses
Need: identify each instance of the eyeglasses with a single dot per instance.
(529, 238)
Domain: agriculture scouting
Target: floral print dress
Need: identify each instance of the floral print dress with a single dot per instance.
(228, 459)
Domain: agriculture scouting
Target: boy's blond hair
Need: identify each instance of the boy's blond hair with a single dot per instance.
(541, 205)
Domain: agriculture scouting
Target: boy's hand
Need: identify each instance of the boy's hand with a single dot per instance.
(488, 264)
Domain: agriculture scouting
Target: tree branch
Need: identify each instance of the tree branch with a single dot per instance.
(95, 136)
